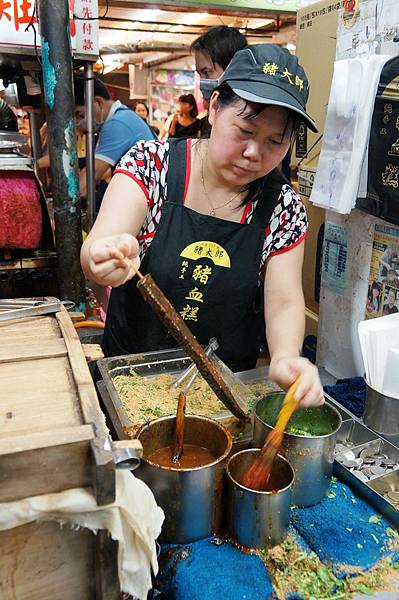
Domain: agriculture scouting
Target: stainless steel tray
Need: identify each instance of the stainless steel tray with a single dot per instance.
(13, 160)
(150, 364)
(373, 490)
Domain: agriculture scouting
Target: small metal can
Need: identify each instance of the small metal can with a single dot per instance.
(258, 519)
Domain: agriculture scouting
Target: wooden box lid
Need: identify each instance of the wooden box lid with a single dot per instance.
(53, 435)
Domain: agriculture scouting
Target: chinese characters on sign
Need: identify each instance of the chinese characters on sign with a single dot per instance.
(18, 14)
(86, 26)
(308, 18)
(390, 175)
(18, 25)
(383, 289)
(199, 274)
(381, 196)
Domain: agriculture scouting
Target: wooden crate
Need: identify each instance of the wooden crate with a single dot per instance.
(44, 561)
(52, 432)
(41, 560)
(52, 438)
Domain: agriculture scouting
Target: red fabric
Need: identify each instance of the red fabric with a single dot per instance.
(20, 211)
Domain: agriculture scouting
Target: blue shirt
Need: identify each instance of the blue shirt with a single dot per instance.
(121, 130)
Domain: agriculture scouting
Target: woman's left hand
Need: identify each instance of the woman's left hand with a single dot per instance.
(285, 370)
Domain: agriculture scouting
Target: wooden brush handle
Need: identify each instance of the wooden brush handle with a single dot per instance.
(179, 427)
(288, 407)
(258, 473)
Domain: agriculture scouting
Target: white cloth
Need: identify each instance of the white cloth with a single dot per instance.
(346, 133)
(134, 520)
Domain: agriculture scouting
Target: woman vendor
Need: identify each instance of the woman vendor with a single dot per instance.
(212, 220)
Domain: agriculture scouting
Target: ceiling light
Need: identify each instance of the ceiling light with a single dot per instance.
(193, 17)
(148, 14)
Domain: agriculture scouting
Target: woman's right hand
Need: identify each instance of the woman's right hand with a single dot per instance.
(114, 259)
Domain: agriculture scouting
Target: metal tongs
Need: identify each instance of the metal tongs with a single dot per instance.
(211, 347)
(12, 310)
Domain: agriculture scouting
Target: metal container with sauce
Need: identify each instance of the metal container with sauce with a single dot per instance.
(310, 453)
(258, 519)
(191, 497)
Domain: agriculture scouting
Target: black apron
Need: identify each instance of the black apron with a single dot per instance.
(207, 267)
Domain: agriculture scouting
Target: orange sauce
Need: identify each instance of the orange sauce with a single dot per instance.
(192, 456)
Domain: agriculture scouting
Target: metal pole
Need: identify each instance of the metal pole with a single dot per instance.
(60, 114)
(90, 166)
(35, 141)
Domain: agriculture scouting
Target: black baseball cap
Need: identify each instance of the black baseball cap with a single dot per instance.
(268, 74)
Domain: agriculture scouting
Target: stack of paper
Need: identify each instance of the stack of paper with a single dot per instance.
(379, 342)
(346, 132)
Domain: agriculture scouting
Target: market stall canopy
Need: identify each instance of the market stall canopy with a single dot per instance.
(140, 32)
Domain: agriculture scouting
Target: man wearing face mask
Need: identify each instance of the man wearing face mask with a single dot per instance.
(212, 53)
(119, 128)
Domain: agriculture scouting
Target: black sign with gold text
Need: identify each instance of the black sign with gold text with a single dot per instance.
(383, 155)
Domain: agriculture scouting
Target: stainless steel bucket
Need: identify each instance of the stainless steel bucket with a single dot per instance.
(312, 457)
(258, 519)
(381, 412)
(191, 498)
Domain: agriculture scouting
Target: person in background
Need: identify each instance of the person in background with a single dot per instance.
(211, 221)
(391, 279)
(388, 259)
(214, 50)
(185, 123)
(373, 298)
(390, 307)
(212, 53)
(141, 109)
(117, 125)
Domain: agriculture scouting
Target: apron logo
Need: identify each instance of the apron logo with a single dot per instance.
(211, 250)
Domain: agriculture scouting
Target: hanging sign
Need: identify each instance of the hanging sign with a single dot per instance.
(19, 27)
(86, 26)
